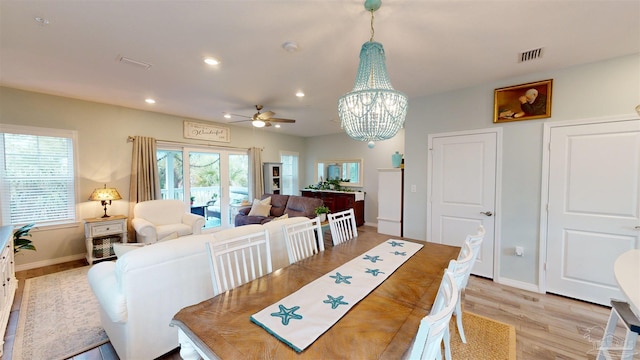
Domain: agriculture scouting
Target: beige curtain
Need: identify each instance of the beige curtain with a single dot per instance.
(144, 184)
(255, 156)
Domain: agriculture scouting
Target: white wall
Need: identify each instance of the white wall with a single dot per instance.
(595, 90)
(104, 155)
(341, 146)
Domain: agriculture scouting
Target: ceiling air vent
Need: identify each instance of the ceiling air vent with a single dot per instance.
(530, 55)
(141, 64)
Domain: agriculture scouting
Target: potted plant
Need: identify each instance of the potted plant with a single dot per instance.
(193, 198)
(322, 212)
(20, 240)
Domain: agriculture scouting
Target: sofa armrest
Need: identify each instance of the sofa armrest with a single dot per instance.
(145, 230)
(196, 222)
(244, 210)
(102, 279)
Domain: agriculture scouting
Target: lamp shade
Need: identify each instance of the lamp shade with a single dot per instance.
(373, 110)
(105, 194)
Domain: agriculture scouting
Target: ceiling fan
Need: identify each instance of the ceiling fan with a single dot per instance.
(263, 119)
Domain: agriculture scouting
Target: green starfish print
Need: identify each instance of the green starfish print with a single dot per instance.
(395, 243)
(373, 258)
(287, 314)
(374, 272)
(341, 278)
(335, 302)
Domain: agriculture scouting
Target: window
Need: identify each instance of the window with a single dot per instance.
(210, 180)
(37, 175)
(289, 172)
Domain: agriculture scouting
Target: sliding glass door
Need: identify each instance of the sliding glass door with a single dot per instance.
(217, 180)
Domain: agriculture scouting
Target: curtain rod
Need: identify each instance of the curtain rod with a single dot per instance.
(130, 139)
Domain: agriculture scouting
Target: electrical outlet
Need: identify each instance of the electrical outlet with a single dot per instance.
(519, 251)
(413, 188)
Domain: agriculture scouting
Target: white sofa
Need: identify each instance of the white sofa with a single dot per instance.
(155, 220)
(141, 291)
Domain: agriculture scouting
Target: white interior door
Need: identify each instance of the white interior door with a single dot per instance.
(593, 207)
(463, 192)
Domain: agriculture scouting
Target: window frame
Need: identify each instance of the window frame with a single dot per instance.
(5, 203)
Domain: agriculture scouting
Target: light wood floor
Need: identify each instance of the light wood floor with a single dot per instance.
(547, 326)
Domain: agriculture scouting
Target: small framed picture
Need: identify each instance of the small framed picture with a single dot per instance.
(522, 102)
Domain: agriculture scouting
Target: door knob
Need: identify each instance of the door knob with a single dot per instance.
(488, 213)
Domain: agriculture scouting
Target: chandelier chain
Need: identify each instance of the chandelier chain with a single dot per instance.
(372, 29)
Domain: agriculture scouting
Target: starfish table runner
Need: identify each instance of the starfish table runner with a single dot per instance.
(300, 318)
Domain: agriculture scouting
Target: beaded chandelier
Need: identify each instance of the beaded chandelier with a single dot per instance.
(373, 110)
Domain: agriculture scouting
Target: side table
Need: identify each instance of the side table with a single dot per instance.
(101, 234)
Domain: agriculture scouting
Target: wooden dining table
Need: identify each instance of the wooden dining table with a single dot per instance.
(380, 326)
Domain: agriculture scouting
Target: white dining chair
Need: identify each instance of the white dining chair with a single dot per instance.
(434, 327)
(303, 239)
(343, 226)
(460, 269)
(472, 246)
(238, 260)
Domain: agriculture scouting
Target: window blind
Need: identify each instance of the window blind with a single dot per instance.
(37, 174)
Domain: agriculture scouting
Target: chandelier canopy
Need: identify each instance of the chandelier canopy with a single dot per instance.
(373, 110)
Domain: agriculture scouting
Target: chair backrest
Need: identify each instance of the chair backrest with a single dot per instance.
(343, 226)
(461, 268)
(238, 260)
(426, 345)
(474, 243)
(160, 212)
(303, 239)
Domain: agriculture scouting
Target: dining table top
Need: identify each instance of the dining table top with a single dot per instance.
(380, 326)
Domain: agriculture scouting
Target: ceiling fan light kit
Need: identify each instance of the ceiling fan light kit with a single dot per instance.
(373, 110)
(260, 120)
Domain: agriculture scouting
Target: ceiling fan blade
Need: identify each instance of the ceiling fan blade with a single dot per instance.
(239, 121)
(265, 115)
(267, 123)
(244, 116)
(282, 120)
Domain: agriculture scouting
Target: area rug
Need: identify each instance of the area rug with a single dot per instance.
(487, 339)
(59, 317)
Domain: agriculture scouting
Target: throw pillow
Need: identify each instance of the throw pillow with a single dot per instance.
(265, 201)
(260, 209)
(285, 216)
(121, 249)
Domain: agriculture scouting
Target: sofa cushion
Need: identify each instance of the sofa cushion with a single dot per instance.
(278, 203)
(302, 206)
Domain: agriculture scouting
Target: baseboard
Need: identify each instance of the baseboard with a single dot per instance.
(39, 264)
(518, 284)
(366, 223)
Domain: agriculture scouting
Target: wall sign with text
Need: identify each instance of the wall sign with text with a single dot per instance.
(209, 132)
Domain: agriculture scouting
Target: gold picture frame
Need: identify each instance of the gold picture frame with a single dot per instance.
(523, 102)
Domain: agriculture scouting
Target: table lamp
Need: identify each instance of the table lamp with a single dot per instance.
(104, 195)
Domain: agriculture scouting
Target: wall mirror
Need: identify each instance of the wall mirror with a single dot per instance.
(352, 169)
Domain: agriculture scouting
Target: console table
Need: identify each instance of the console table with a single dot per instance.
(339, 201)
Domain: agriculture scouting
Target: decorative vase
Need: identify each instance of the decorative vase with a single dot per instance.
(323, 217)
(396, 160)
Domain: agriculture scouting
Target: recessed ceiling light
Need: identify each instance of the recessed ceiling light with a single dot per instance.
(42, 20)
(290, 46)
(300, 94)
(227, 116)
(149, 101)
(211, 61)
(277, 125)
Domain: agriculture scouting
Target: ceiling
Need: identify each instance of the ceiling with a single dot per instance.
(432, 46)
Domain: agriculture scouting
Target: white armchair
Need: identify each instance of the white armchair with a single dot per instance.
(156, 220)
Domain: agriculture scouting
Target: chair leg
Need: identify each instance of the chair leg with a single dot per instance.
(458, 314)
(447, 344)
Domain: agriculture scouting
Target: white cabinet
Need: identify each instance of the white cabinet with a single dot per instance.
(9, 281)
(390, 201)
(101, 234)
(272, 177)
